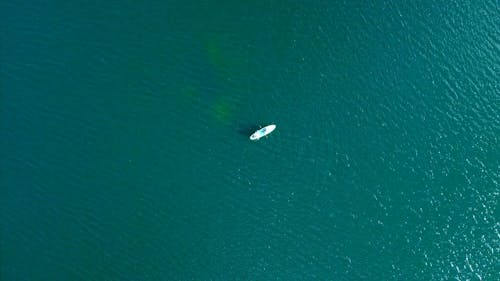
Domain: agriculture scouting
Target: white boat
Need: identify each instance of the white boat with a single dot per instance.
(263, 132)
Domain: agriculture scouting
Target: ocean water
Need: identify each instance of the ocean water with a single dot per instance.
(125, 153)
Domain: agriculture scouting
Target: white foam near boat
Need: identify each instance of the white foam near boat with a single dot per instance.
(263, 132)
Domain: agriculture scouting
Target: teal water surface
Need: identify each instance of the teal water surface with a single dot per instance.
(125, 153)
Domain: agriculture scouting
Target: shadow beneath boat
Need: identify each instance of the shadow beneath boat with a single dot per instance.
(247, 130)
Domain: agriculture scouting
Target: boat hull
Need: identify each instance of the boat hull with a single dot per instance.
(263, 132)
